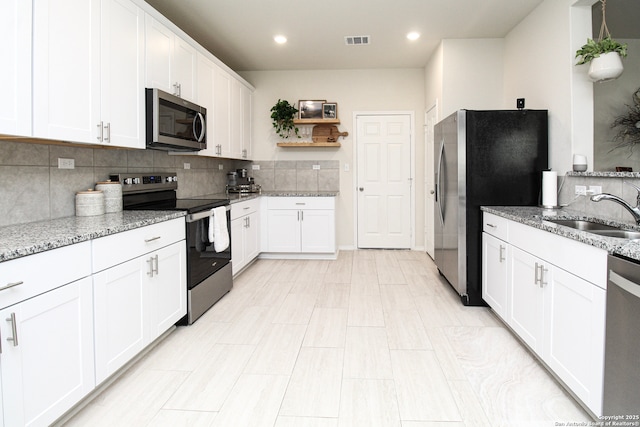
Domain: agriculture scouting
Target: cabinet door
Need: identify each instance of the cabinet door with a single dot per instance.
(50, 366)
(184, 68)
(122, 74)
(221, 112)
(247, 105)
(251, 239)
(205, 97)
(495, 261)
(167, 287)
(238, 259)
(236, 120)
(158, 55)
(318, 231)
(283, 230)
(15, 72)
(66, 99)
(526, 315)
(119, 323)
(575, 339)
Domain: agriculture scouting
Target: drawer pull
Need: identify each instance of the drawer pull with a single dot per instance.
(301, 203)
(492, 225)
(14, 329)
(152, 239)
(246, 208)
(11, 285)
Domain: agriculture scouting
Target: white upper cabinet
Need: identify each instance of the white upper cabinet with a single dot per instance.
(66, 70)
(15, 72)
(221, 112)
(122, 74)
(87, 78)
(241, 98)
(171, 62)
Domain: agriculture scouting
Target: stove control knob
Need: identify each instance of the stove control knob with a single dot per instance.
(175, 179)
(128, 181)
(171, 179)
(136, 180)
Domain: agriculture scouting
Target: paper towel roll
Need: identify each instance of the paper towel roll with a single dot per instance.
(549, 189)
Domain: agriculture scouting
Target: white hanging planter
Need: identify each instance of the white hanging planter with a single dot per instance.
(607, 66)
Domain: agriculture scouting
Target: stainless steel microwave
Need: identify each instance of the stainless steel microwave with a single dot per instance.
(174, 124)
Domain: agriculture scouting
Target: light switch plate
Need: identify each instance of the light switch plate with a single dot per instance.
(316, 167)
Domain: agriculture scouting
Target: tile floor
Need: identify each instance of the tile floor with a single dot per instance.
(375, 338)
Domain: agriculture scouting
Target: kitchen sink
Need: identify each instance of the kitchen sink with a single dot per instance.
(596, 228)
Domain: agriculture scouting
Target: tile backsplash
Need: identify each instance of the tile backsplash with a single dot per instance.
(32, 188)
(610, 184)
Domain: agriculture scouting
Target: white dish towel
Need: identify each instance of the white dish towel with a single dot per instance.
(218, 233)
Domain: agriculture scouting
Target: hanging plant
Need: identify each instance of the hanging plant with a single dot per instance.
(282, 115)
(629, 124)
(604, 55)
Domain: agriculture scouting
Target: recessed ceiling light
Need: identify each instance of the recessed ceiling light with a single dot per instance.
(413, 35)
(280, 39)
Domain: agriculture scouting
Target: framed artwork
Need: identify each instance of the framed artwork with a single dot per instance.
(329, 110)
(310, 109)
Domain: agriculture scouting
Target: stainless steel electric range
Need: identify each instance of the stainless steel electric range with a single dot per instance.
(209, 275)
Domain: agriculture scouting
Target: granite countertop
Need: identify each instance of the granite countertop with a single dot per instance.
(282, 193)
(536, 216)
(31, 238)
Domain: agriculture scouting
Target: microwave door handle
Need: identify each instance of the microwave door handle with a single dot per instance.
(199, 117)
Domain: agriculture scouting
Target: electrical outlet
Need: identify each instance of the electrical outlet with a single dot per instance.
(316, 167)
(187, 165)
(220, 166)
(346, 167)
(581, 190)
(255, 167)
(66, 163)
(594, 189)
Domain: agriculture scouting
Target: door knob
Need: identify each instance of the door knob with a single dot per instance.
(361, 188)
(432, 192)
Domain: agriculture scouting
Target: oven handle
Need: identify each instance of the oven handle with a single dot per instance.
(201, 215)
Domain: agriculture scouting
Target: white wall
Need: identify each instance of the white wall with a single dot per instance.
(353, 90)
(465, 73)
(539, 58)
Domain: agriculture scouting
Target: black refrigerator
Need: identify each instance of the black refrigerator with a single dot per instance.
(482, 158)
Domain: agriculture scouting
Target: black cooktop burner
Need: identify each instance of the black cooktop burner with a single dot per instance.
(197, 205)
(166, 200)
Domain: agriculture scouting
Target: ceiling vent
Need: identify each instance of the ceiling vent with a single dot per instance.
(356, 40)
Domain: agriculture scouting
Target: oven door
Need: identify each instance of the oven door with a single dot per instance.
(202, 258)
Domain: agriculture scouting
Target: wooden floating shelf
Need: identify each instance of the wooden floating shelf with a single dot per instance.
(309, 144)
(316, 121)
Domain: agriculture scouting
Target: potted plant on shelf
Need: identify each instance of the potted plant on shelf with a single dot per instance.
(604, 55)
(282, 115)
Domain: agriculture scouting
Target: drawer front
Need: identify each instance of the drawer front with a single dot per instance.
(495, 225)
(301, 203)
(241, 209)
(580, 259)
(32, 275)
(118, 248)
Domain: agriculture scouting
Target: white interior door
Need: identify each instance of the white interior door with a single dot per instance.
(384, 181)
(431, 118)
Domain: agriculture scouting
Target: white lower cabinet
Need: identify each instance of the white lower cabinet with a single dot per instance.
(300, 225)
(139, 299)
(47, 354)
(245, 233)
(496, 257)
(556, 302)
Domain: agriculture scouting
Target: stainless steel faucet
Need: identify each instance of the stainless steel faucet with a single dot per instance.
(633, 210)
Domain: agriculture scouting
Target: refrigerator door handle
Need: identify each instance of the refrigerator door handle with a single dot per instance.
(438, 186)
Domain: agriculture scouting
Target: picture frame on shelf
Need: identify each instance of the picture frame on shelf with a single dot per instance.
(310, 109)
(330, 110)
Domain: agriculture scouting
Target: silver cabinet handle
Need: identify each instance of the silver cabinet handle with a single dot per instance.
(152, 269)
(11, 285)
(157, 265)
(502, 249)
(491, 225)
(107, 128)
(302, 215)
(298, 215)
(542, 279)
(100, 127)
(152, 239)
(14, 329)
(535, 282)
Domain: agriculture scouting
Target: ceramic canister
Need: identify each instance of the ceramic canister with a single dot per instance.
(112, 195)
(89, 203)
